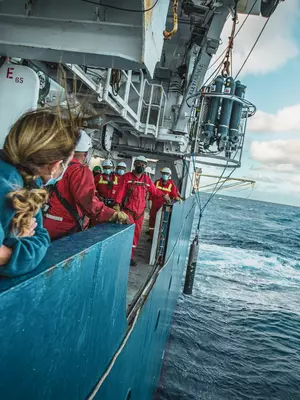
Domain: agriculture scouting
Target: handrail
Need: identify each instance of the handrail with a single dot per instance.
(154, 98)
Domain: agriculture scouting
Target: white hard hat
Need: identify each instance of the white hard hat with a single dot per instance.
(107, 163)
(122, 164)
(166, 170)
(84, 143)
(142, 159)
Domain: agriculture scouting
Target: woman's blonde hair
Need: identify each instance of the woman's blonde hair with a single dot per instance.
(38, 138)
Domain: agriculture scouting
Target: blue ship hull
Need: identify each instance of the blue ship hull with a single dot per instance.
(63, 325)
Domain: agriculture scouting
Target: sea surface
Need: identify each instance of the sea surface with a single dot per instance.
(238, 335)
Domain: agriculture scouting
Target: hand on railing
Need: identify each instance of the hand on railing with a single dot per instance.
(120, 217)
(116, 207)
(167, 199)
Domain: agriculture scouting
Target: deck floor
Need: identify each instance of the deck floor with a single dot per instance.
(138, 275)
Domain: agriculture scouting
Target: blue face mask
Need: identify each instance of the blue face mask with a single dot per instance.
(165, 177)
(53, 181)
(120, 171)
(107, 171)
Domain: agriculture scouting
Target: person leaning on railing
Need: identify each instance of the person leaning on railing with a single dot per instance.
(36, 152)
(73, 205)
(166, 186)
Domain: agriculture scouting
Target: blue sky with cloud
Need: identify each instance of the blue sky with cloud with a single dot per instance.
(272, 75)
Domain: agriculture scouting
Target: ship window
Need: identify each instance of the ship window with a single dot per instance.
(157, 320)
(128, 396)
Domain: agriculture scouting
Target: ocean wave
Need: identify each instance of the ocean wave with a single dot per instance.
(238, 336)
(282, 219)
(233, 207)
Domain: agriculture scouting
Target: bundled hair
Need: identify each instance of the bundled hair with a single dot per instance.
(27, 203)
(38, 138)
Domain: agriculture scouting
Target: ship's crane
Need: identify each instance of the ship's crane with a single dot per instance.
(142, 64)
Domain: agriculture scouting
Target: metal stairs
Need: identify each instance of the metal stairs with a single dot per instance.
(138, 106)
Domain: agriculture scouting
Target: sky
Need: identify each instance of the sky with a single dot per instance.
(272, 74)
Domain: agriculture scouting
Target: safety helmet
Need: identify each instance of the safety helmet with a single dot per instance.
(166, 170)
(122, 164)
(142, 159)
(107, 163)
(97, 168)
(84, 143)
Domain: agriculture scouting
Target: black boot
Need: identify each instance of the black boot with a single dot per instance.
(133, 263)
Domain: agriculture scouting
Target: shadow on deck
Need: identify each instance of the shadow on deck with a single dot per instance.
(139, 274)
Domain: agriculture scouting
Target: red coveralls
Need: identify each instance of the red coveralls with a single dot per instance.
(107, 187)
(135, 204)
(78, 188)
(165, 187)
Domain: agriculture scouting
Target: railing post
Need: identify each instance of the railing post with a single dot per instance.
(141, 99)
(159, 112)
(164, 113)
(107, 84)
(149, 109)
(127, 90)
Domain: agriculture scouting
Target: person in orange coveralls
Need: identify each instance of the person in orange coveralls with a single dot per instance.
(166, 186)
(73, 201)
(107, 183)
(132, 196)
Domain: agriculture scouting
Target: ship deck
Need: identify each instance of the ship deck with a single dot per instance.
(139, 274)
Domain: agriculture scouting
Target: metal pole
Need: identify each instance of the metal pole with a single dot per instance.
(107, 84)
(141, 96)
(191, 267)
(127, 90)
(149, 109)
(159, 112)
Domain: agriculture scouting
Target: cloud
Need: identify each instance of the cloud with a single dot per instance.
(264, 178)
(278, 171)
(275, 166)
(275, 47)
(281, 168)
(295, 180)
(277, 152)
(285, 120)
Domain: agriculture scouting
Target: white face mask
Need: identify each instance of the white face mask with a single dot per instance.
(53, 181)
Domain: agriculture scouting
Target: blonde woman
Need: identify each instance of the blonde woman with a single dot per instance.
(36, 153)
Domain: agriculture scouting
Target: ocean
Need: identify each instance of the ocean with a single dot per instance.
(238, 336)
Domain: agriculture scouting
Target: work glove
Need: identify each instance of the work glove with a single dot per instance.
(167, 199)
(117, 207)
(121, 217)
